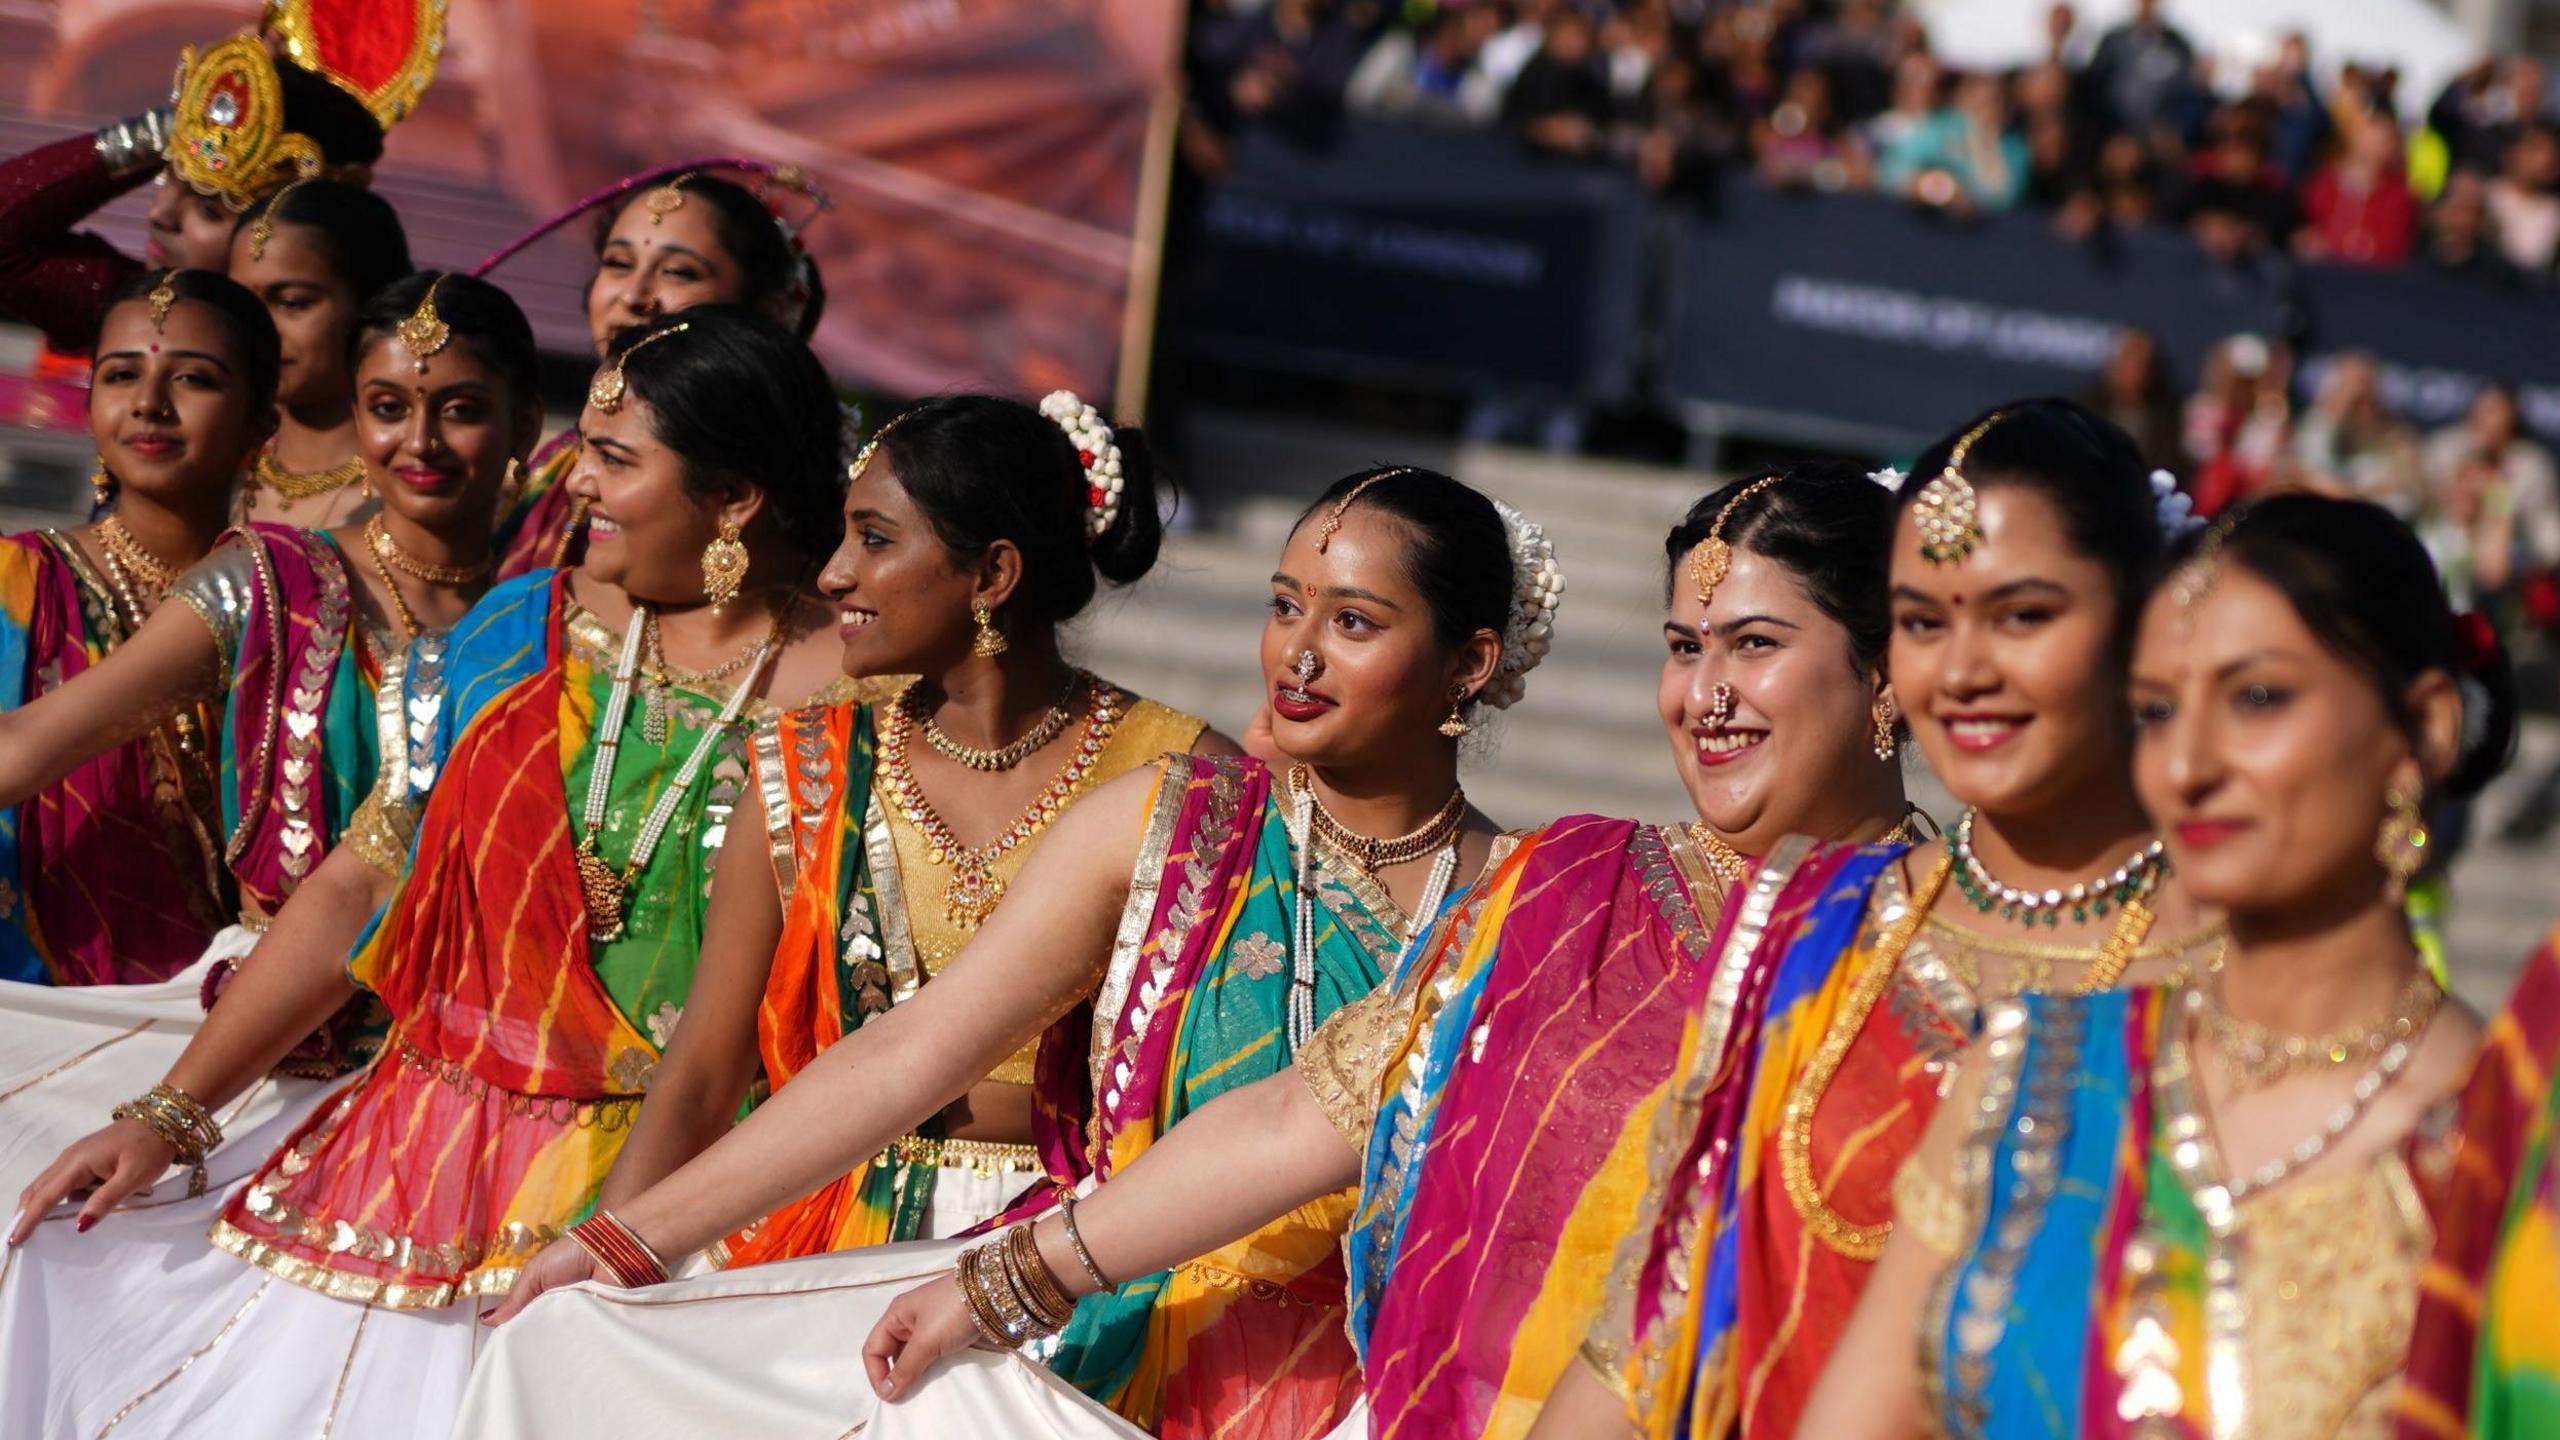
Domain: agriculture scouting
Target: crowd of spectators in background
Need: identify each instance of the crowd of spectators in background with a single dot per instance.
(2131, 127)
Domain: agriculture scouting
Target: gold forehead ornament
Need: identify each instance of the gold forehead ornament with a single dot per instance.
(1947, 510)
(424, 332)
(1712, 561)
(1333, 522)
(609, 387)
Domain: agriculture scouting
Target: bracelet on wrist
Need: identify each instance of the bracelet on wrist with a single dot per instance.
(183, 1124)
(618, 1251)
(1075, 1241)
(1050, 1303)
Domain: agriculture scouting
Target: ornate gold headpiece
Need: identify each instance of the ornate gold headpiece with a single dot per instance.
(1713, 559)
(162, 297)
(263, 229)
(424, 332)
(383, 54)
(862, 458)
(1333, 522)
(2194, 579)
(228, 138)
(1947, 511)
(667, 199)
(609, 387)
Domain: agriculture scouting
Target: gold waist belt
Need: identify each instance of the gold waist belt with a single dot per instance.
(609, 1113)
(987, 1157)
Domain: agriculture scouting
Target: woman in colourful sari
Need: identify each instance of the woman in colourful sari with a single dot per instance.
(318, 252)
(667, 238)
(975, 528)
(532, 956)
(1496, 1096)
(1858, 972)
(112, 866)
(2202, 1208)
(299, 639)
(1190, 925)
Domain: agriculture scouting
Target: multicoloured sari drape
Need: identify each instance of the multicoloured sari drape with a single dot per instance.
(1509, 1155)
(2101, 1285)
(1248, 1341)
(1765, 1231)
(539, 529)
(520, 1046)
(2485, 1359)
(112, 876)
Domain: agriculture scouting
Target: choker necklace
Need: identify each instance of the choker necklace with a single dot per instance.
(2127, 883)
(2256, 1056)
(130, 556)
(607, 888)
(975, 886)
(1733, 867)
(663, 675)
(1037, 738)
(290, 486)
(1314, 823)
(381, 548)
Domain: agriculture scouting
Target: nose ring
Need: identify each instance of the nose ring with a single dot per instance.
(1720, 703)
(1305, 669)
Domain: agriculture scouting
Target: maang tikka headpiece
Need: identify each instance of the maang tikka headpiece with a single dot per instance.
(263, 229)
(667, 199)
(2195, 578)
(862, 459)
(1712, 561)
(609, 387)
(1333, 522)
(424, 332)
(1947, 511)
(163, 297)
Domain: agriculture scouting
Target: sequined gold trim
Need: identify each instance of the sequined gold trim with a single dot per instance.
(1795, 1129)
(1191, 904)
(773, 787)
(1146, 879)
(367, 1289)
(610, 1113)
(986, 1157)
(2002, 1053)
(896, 940)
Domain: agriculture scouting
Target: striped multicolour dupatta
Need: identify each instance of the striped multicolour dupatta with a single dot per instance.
(113, 875)
(1246, 1342)
(2486, 1356)
(1516, 1139)
(536, 531)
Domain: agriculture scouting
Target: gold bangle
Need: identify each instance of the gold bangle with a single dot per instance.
(1050, 1301)
(972, 1280)
(1013, 1318)
(1075, 1242)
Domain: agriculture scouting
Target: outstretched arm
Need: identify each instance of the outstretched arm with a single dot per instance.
(295, 980)
(1238, 1163)
(704, 1075)
(168, 664)
(1032, 960)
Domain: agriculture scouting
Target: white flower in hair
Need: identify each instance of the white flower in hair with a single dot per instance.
(1531, 627)
(2177, 512)
(1888, 477)
(1091, 435)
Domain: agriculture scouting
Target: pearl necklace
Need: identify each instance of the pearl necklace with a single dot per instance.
(975, 887)
(2096, 896)
(608, 891)
(1312, 822)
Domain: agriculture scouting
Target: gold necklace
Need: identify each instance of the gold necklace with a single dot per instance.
(290, 486)
(378, 536)
(391, 587)
(1370, 853)
(664, 675)
(1051, 726)
(2107, 960)
(1722, 858)
(153, 573)
(2257, 1056)
(975, 887)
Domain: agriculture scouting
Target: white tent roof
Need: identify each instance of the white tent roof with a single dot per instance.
(2240, 34)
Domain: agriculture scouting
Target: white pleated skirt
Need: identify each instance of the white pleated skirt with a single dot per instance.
(773, 1351)
(71, 1053)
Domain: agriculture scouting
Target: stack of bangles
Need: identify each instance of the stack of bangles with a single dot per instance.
(180, 1119)
(1012, 1295)
(617, 1251)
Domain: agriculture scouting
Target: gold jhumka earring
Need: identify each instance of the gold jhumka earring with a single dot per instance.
(1456, 726)
(424, 332)
(102, 486)
(1333, 522)
(724, 567)
(990, 641)
(606, 391)
(1712, 561)
(1885, 743)
(1947, 511)
(2402, 844)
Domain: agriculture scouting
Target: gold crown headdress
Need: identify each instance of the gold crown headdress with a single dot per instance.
(1947, 510)
(382, 52)
(228, 138)
(609, 387)
(1712, 561)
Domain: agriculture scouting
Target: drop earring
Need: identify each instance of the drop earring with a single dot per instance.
(1885, 743)
(990, 642)
(724, 567)
(1456, 726)
(2402, 844)
(102, 486)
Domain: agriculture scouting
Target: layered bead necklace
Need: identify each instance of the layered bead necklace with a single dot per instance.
(1314, 824)
(608, 889)
(975, 887)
